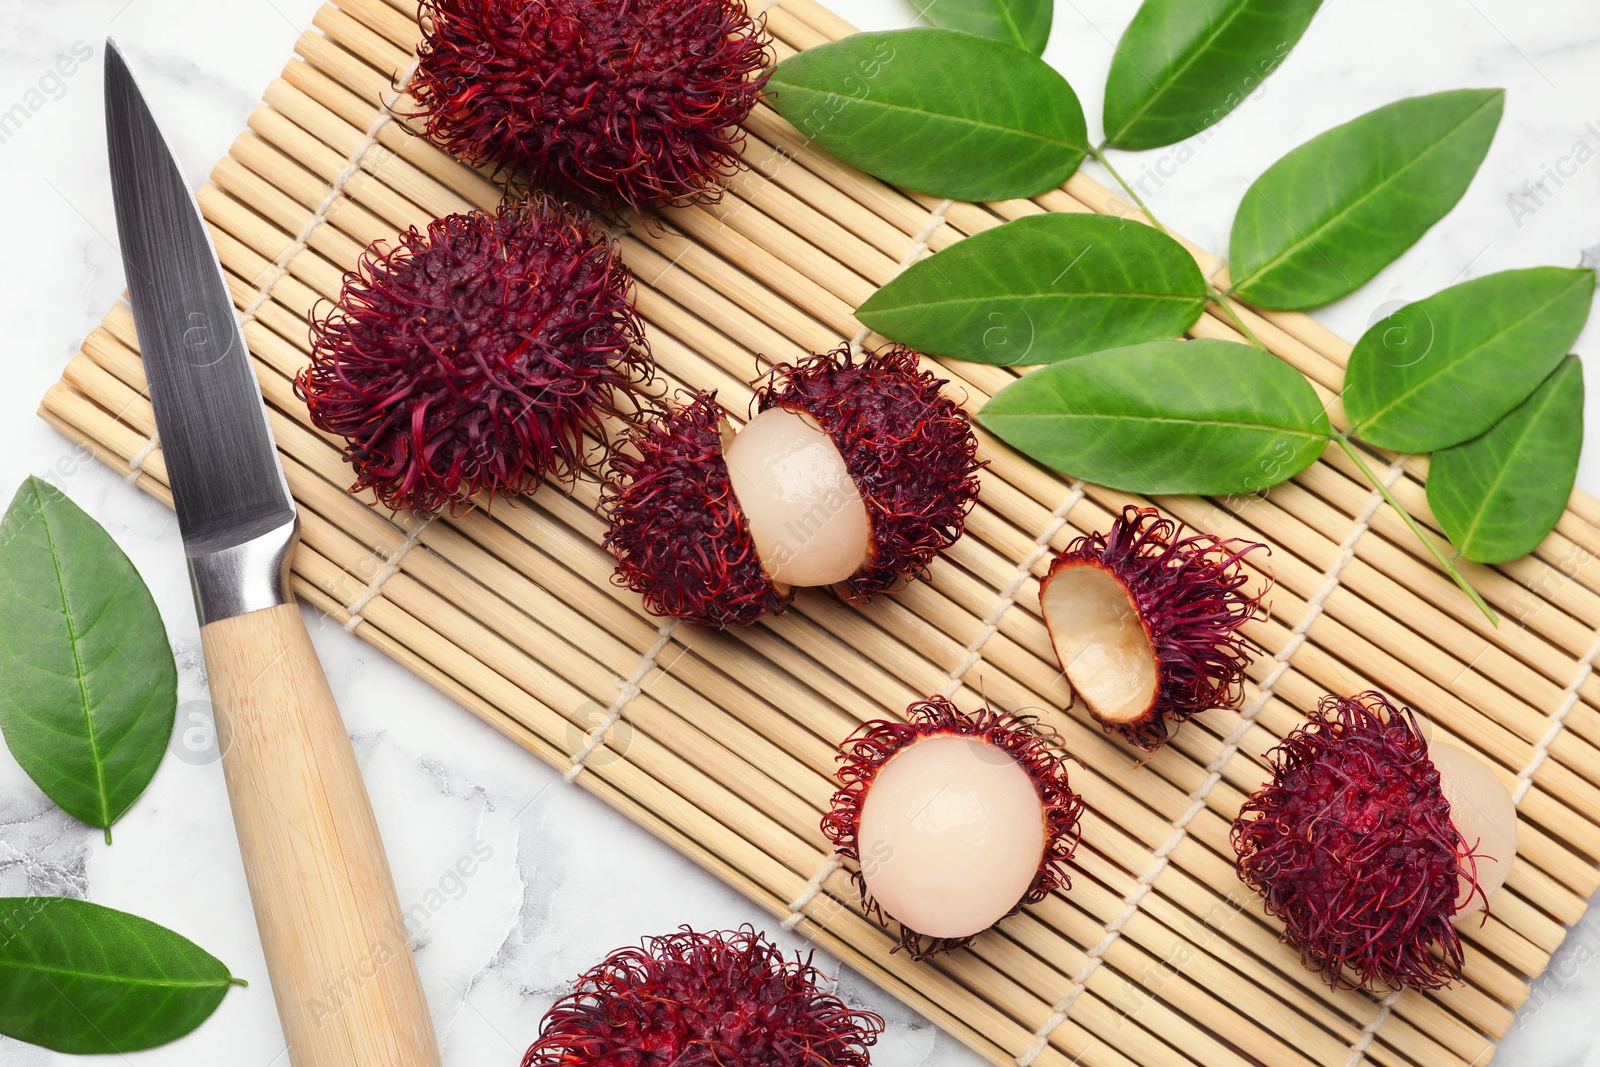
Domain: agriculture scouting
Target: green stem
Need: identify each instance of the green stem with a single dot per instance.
(1100, 157)
(1422, 535)
(1219, 298)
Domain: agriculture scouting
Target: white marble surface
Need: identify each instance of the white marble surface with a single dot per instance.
(566, 879)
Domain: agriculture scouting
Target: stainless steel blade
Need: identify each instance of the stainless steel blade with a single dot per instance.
(232, 501)
(224, 468)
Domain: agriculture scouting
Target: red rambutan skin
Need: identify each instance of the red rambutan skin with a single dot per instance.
(1352, 846)
(910, 450)
(721, 999)
(1038, 750)
(677, 533)
(622, 102)
(473, 357)
(1190, 593)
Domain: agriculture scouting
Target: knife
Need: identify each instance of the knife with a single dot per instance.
(336, 946)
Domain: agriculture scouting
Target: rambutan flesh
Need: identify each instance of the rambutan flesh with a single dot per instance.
(1357, 844)
(1145, 620)
(474, 357)
(621, 102)
(854, 474)
(721, 999)
(954, 821)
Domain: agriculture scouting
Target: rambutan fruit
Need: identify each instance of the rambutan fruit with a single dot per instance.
(620, 102)
(687, 999)
(473, 357)
(1368, 842)
(954, 821)
(854, 474)
(1145, 620)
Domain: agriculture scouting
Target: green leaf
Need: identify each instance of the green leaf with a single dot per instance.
(1024, 23)
(1205, 416)
(81, 978)
(936, 110)
(1183, 64)
(1041, 289)
(1446, 368)
(1332, 213)
(1499, 495)
(90, 685)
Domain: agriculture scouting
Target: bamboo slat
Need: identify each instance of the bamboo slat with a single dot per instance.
(723, 743)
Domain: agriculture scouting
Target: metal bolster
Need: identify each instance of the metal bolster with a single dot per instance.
(246, 577)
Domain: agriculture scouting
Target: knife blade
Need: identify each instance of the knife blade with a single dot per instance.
(332, 931)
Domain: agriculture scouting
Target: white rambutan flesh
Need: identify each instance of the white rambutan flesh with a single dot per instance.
(1483, 815)
(952, 834)
(802, 507)
(1103, 647)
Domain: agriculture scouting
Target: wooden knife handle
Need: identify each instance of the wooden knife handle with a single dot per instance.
(336, 944)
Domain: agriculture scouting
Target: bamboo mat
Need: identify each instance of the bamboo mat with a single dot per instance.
(722, 743)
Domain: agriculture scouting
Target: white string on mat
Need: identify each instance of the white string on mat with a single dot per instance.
(389, 569)
(136, 461)
(919, 245)
(627, 689)
(279, 267)
(974, 652)
(1569, 700)
(1230, 747)
(1358, 1051)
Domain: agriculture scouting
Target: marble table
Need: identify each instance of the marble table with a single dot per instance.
(559, 879)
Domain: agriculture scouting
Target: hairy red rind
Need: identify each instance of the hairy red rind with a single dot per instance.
(474, 357)
(677, 533)
(910, 451)
(1036, 749)
(634, 102)
(719, 999)
(1352, 846)
(1189, 590)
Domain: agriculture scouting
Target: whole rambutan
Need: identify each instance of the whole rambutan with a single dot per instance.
(854, 474)
(1368, 842)
(722, 999)
(954, 821)
(474, 357)
(1145, 620)
(622, 102)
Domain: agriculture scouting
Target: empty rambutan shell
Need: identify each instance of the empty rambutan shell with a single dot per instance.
(1368, 843)
(954, 821)
(473, 357)
(719, 999)
(622, 102)
(1145, 620)
(854, 473)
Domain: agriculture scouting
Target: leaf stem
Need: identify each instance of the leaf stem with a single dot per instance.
(1444, 561)
(1219, 298)
(1100, 157)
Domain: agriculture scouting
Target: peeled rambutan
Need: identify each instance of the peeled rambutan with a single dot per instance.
(473, 357)
(1145, 620)
(622, 102)
(954, 821)
(721, 999)
(1368, 842)
(854, 474)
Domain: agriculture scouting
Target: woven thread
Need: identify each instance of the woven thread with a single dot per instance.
(919, 245)
(136, 461)
(389, 569)
(627, 689)
(1197, 798)
(1569, 700)
(1358, 1051)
